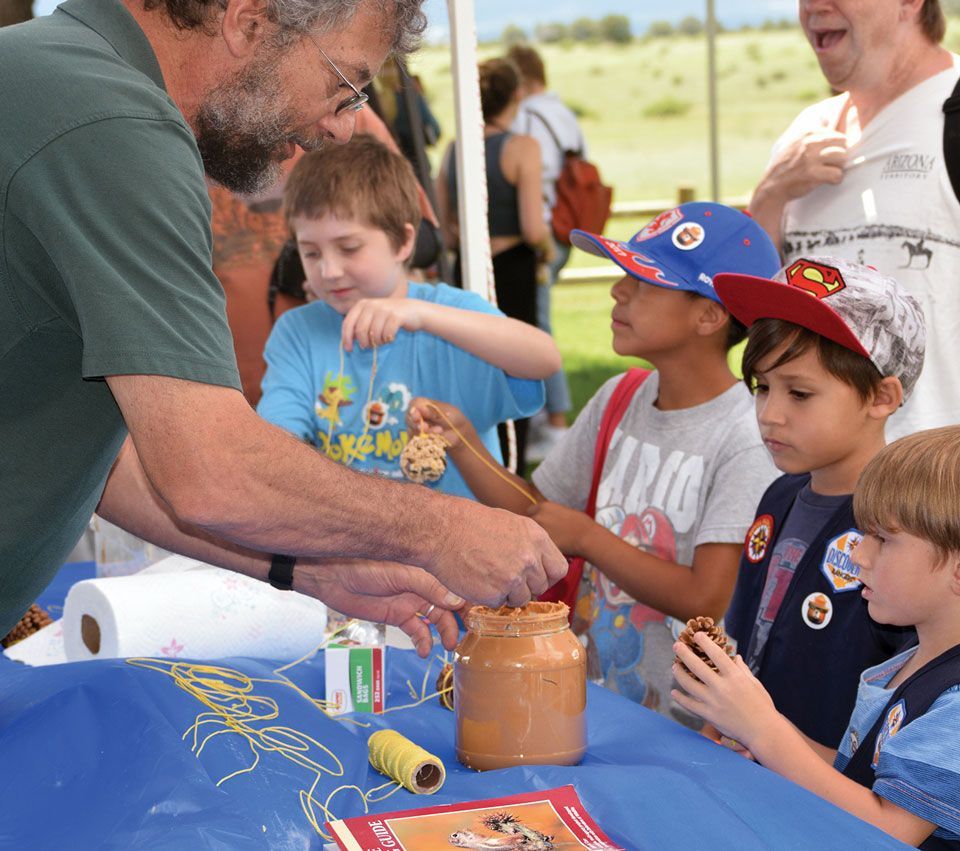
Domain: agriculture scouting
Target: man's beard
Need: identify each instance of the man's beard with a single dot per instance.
(242, 130)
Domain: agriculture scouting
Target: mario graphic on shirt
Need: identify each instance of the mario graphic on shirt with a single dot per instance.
(615, 620)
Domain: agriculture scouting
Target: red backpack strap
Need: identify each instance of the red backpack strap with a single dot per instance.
(612, 415)
(565, 591)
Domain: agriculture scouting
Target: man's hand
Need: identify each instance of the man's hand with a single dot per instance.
(375, 321)
(491, 556)
(814, 159)
(730, 698)
(434, 417)
(567, 527)
(384, 592)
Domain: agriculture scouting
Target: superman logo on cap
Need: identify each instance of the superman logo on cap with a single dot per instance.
(815, 278)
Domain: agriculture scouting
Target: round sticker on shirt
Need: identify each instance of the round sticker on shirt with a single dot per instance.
(688, 236)
(816, 611)
(758, 538)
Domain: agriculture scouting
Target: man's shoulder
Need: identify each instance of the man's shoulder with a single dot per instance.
(82, 81)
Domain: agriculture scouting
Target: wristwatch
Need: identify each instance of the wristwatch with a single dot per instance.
(281, 572)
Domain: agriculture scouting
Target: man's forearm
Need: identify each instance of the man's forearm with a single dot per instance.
(130, 502)
(224, 470)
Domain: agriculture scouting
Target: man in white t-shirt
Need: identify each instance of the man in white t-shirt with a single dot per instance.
(862, 175)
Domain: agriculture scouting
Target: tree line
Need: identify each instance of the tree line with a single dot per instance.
(618, 29)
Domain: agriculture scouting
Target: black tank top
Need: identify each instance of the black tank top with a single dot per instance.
(503, 210)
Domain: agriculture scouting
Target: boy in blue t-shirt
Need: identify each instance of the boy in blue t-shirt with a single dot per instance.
(898, 764)
(342, 370)
(833, 350)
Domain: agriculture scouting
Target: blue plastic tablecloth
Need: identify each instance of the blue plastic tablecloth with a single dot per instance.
(93, 756)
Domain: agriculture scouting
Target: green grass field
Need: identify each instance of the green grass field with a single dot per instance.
(643, 108)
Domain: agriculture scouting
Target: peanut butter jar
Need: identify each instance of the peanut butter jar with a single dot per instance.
(520, 690)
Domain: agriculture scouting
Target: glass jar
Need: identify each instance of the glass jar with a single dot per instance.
(520, 691)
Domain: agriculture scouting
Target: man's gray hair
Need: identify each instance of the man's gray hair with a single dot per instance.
(297, 17)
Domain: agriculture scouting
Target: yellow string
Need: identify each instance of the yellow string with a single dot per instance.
(348, 460)
(234, 707)
(495, 468)
(405, 762)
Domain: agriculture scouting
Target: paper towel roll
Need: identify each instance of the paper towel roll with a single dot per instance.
(204, 613)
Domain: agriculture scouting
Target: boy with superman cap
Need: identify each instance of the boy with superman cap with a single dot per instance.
(654, 484)
(833, 350)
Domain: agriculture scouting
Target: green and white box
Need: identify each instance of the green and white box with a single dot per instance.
(355, 679)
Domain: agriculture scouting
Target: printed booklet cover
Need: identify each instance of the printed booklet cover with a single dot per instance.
(550, 820)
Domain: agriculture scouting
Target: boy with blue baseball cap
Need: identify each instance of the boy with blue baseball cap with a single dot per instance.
(654, 485)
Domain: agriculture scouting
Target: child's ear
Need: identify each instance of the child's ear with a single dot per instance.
(712, 317)
(953, 565)
(887, 398)
(405, 251)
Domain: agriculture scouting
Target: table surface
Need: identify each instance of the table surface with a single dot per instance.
(104, 754)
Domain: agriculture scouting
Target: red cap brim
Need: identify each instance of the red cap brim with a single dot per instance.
(750, 298)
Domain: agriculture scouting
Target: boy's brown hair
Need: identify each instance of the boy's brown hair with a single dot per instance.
(913, 486)
(363, 180)
(767, 335)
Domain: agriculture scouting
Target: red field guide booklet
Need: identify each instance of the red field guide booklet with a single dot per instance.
(551, 820)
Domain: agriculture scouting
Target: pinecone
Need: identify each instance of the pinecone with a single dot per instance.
(424, 458)
(445, 686)
(716, 634)
(34, 620)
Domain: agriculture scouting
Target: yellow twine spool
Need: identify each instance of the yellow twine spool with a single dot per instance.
(406, 762)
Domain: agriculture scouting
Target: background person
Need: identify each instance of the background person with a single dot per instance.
(117, 326)
(552, 123)
(519, 238)
(862, 175)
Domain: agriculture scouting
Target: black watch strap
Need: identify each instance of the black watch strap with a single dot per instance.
(281, 572)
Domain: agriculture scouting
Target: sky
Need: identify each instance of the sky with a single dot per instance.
(493, 15)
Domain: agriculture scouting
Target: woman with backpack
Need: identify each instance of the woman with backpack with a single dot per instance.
(519, 237)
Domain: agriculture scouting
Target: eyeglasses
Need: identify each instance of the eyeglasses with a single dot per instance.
(356, 101)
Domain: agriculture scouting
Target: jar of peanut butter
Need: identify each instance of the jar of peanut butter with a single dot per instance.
(520, 690)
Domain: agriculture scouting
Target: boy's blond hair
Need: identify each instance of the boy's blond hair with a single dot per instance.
(363, 181)
(913, 486)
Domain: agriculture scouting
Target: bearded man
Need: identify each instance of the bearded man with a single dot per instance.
(118, 381)
(863, 176)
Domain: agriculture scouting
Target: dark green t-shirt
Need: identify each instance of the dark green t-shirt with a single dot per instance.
(105, 269)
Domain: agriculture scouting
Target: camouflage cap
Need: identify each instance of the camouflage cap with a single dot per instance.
(855, 306)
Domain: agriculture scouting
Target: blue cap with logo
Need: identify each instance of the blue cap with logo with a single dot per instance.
(685, 247)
